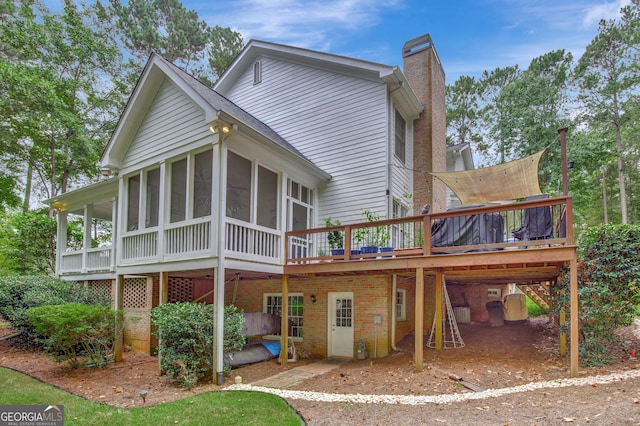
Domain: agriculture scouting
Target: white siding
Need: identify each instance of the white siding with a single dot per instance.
(339, 122)
(402, 173)
(172, 123)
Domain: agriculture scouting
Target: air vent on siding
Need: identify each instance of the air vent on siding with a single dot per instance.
(257, 72)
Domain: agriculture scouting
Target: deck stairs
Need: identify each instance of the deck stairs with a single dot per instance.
(538, 292)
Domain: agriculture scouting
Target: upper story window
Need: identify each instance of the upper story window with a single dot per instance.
(244, 179)
(300, 206)
(143, 192)
(257, 72)
(401, 137)
(191, 185)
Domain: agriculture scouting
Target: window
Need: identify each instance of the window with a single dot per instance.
(153, 198)
(178, 191)
(267, 208)
(401, 304)
(202, 183)
(238, 187)
(400, 141)
(133, 203)
(257, 72)
(272, 304)
(401, 233)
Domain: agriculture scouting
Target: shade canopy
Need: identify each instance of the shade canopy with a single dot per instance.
(507, 181)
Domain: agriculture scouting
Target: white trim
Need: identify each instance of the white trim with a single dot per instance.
(401, 309)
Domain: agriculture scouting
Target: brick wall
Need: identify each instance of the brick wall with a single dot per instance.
(371, 297)
(425, 75)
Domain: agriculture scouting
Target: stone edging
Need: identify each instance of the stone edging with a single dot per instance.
(438, 399)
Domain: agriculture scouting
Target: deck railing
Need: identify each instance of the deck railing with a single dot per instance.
(258, 243)
(194, 237)
(140, 245)
(480, 228)
(97, 259)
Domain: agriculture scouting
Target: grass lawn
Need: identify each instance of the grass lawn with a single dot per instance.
(212, 408)
(533, 309)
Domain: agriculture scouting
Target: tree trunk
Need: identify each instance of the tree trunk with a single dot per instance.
(27, 188)
(623, 192)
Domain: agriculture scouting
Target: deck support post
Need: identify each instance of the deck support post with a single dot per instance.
(218, 332)
(574, 361)
(419, 321)
(439, 310)
(284, 325)
(164, 297)
(119, 306)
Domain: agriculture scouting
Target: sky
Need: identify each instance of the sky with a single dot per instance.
(469, 36)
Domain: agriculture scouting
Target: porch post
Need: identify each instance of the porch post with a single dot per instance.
(61, 238)
(114, 232)
(419, 320)
(218, 338)
(574, 362)
(438, 315)
(284, 324)
(86, 243)
(119, 305)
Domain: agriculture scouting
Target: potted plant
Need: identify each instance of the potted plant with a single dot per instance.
(334, 238)
(374, 237)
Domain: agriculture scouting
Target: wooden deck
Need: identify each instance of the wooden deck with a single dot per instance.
(419, 249)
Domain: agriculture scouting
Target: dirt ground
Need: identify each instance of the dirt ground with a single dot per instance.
(492, 358)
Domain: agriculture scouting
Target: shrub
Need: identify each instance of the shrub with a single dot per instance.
(186, 334)
(19, 293)
(608, 291)
(74, 331)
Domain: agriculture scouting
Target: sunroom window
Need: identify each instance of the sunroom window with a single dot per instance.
(267, 198)
(238, 187)
(153, 198)
(178, 191)
(133, 202)
(202, 184)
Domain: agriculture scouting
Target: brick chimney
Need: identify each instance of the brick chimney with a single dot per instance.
(425, 75)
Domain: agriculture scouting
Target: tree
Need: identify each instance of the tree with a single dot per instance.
(607, 79)
(463, 112)
(497, 140)
(60, 92)
(534, 105)
(169, 29)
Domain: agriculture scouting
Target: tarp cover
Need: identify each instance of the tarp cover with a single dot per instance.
(507, 181)
(474, 229)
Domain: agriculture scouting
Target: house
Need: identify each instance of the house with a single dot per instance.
(459, 158)
(221, 194)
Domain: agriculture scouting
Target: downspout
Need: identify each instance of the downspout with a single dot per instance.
(390, 141)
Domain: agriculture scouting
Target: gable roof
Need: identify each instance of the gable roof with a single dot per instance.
(213, 104)
(391, 75)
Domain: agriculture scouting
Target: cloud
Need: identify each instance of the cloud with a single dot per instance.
(312, 24)
(593, 14)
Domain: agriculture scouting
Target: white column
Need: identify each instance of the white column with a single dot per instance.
(114, 232)
(86, 244)
(61, 246)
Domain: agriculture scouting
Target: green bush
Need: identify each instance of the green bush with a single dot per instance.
(74, 332)
(19, 293)
(186, 334)
(608, 291)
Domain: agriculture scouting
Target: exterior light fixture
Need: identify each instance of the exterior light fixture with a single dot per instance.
(222, 128)
(313, 298)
